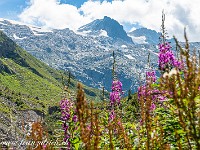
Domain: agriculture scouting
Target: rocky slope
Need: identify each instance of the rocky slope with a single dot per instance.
(28, 89)
(87, 53)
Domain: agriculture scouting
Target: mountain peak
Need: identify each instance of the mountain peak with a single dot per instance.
(111, 26)
(151, 36)
(107, 18)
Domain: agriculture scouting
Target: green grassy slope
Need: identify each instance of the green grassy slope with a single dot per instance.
(28, 82)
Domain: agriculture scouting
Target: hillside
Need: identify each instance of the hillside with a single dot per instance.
(86, 54)
(28, 86)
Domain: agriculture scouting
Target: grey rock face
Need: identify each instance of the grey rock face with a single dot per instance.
(88, 56)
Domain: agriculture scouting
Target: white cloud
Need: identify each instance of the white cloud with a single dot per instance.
(52, 14)
(147, 13)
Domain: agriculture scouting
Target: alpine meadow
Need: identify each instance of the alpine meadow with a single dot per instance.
(99, 88)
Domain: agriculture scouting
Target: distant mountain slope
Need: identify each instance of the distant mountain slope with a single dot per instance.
(12, 57)
(28, 84)
(149, 36)
(110, 26)
(88, 57)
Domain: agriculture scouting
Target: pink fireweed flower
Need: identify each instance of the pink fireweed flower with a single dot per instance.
(161, 98)
(67, 136)
(158, 95)
(65, 126)
(167, 59)
(115, 95)
(119, 123)
(75, 118)
(141, 122)
(88, 127)
(65, 106)
(117, 86)
(44, 146)
(153, 107)
(151, 76)
(112, 115)
(155, 94)
(141, 91)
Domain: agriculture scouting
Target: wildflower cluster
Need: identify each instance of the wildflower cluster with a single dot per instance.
(167, 60)
(151, 76)
(146, 90)
(112, 115)
(154, 93)
(162, 115)
(66, 107)
(115, 95)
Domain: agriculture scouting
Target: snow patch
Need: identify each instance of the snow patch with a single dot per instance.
(1, 22)
(139, 40)
(39, 31)
(17, 38)
(103, 33)
(123, 46)
(132, 29)
(36, 30)
(153, 52)
(14, 22)
(129, 56)
(36, 33)
(83, 33)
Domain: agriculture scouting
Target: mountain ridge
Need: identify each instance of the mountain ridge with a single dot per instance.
(88, 57)
(111, 26)
(151, 36)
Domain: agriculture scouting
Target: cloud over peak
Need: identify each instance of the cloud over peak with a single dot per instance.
(179, 14)
(52, 14)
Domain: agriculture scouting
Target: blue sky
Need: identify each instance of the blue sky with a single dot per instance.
(11, 8)
(77, 3)
(72, 14)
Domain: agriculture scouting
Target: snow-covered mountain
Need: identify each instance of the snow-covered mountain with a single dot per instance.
(87, 56)
(106, 27)
(144, 35)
